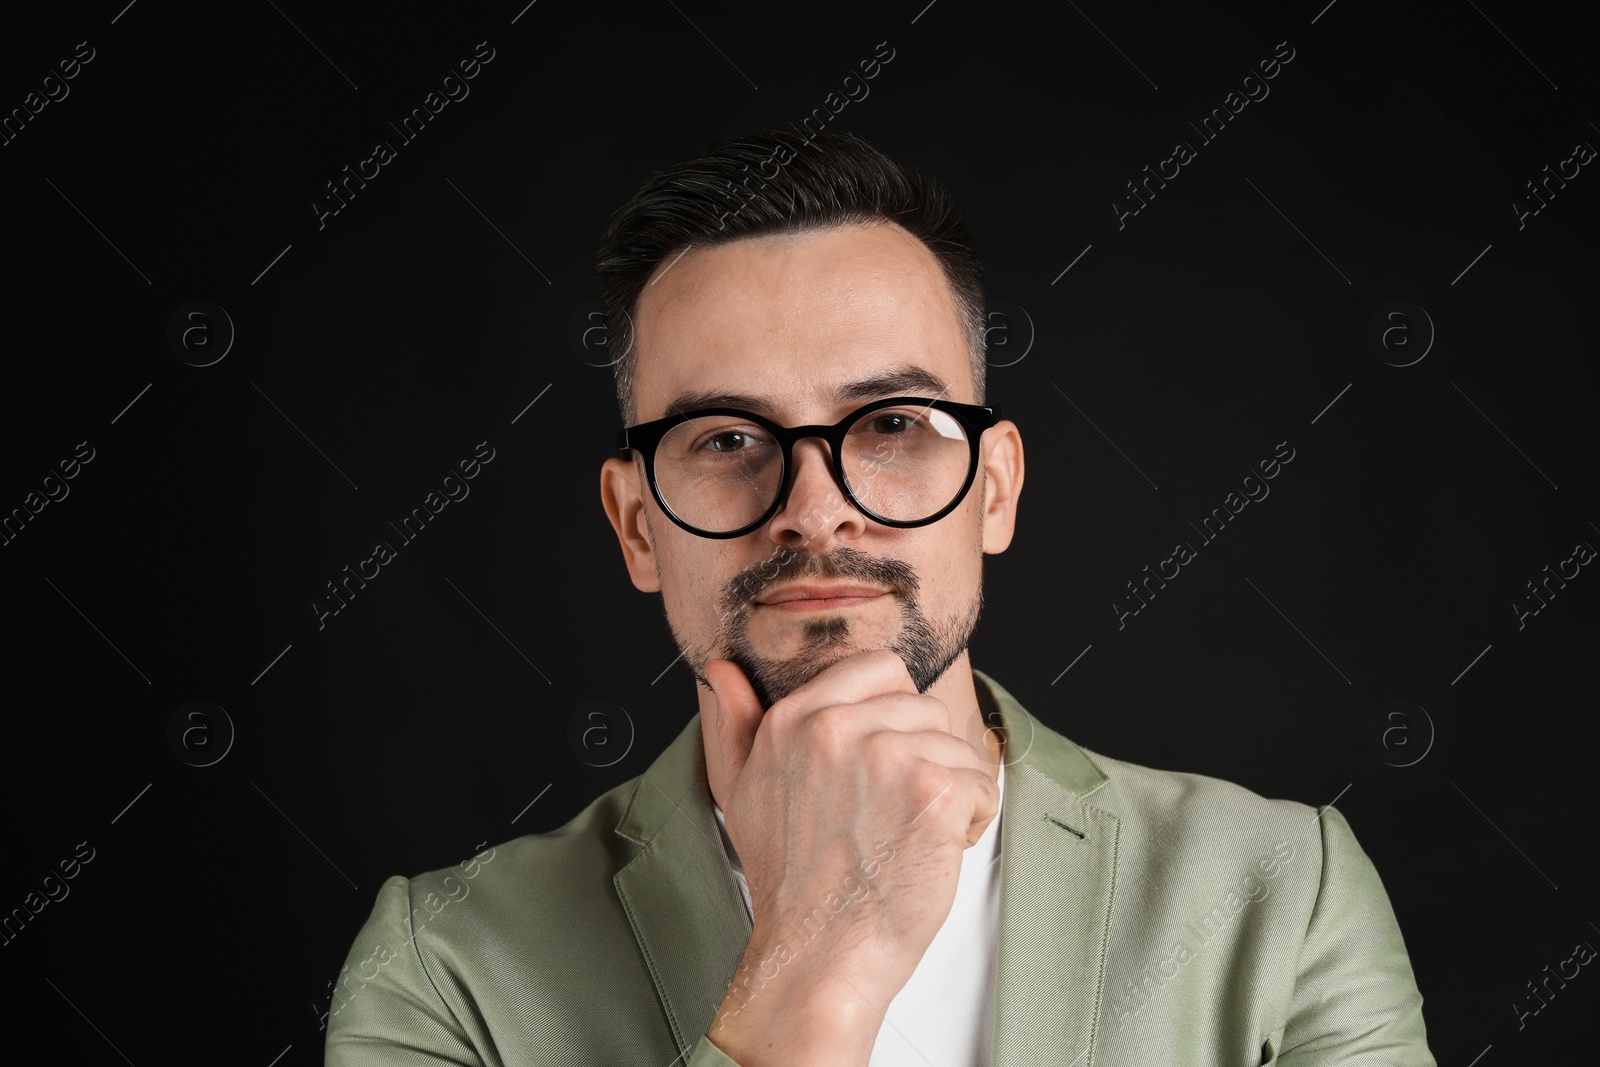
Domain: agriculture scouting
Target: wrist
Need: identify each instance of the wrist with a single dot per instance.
(798, 1024)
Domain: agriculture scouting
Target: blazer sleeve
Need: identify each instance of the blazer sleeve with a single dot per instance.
(386, 1011)
(708, 1055)
(1355, 1000)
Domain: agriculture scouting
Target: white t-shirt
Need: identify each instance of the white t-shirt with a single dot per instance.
(945, 1014)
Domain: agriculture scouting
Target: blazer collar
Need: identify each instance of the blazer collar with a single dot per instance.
(1058, 857)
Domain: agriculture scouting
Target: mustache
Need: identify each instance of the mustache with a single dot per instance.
(841, 563)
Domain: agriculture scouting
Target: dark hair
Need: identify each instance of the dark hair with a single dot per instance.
(730, 192)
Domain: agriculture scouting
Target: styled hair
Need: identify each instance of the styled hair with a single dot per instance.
(777, 182)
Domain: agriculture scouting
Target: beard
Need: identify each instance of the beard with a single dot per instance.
(927, 647)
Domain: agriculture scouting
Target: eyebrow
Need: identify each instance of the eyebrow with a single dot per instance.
(905, 380)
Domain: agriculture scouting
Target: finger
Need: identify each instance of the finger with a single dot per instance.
(738, 716)
(897, 747)
(985, 801)
(852, 680)
(915, 711)
(966, 806)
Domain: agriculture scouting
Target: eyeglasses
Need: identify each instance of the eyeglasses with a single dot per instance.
(720, 472)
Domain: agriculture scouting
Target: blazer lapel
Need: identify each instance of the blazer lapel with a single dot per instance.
(1058, 863)
(679, 891)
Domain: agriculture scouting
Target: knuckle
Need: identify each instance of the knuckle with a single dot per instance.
(777, 716)
(928, 781)
(880, 750)
(889, 662)
(970, 758)
(831, 729)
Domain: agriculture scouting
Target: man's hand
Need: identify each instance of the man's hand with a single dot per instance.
(850, 803)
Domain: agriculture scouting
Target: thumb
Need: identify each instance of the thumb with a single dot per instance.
(738, 716)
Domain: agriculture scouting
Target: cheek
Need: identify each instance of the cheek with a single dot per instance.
(941, 561)
(693, 582)
(951, 571)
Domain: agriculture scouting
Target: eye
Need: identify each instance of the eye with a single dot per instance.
(729, 441)
(893, 423)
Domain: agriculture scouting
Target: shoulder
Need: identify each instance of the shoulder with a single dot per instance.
(536, 914)
(1150, 803)
(1184, 798)
(527, 874)
(1190, 817)
(1191, 826)
(532, 887)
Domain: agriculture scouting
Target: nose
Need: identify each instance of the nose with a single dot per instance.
(814, 510)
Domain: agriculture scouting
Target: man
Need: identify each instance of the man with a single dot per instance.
(817, 870)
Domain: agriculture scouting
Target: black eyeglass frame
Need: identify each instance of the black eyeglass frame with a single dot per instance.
(974, 418)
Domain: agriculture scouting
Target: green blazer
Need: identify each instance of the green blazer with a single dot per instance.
(1147, 918)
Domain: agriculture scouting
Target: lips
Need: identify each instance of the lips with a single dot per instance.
(821, 592)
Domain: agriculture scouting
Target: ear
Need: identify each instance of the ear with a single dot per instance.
(1000, 460)
(622, 494)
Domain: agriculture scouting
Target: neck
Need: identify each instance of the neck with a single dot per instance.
(959, 693)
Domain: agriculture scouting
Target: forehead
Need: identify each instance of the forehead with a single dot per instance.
(799, 326)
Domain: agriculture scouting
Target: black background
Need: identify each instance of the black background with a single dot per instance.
(373, 353)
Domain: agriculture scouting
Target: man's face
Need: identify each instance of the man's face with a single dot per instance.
(783, 326)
